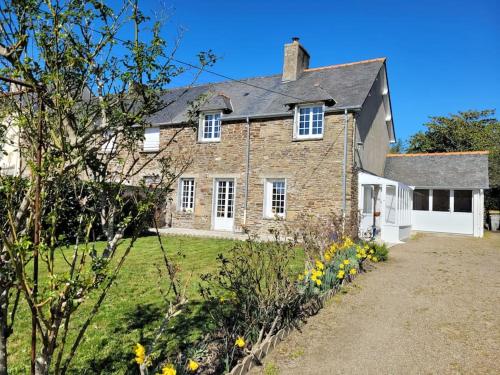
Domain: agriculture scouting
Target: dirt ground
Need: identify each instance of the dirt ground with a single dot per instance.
(433, 308)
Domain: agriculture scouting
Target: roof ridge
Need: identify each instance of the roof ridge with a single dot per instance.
(439, 153)
(345, 64)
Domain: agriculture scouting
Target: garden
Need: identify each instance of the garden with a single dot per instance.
(234, 297)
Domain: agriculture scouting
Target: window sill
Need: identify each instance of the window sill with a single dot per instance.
(149, 151)
(305, 139)
(274, 218)
(209, 141)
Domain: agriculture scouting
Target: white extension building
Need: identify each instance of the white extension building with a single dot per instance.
(441, 192)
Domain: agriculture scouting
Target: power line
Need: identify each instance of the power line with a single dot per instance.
(218, 74)
(236, 80)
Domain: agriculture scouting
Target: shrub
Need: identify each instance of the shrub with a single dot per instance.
(379, 251)
(253, 295)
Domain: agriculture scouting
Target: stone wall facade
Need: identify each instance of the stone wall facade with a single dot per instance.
(312, 170)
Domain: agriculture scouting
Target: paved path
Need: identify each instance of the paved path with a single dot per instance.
(433, 308)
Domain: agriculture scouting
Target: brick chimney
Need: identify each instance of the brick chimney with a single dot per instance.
(296, 60)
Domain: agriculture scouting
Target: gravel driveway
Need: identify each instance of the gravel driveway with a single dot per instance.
(433, 308)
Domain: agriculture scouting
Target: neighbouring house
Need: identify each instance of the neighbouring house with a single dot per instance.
(307, 141)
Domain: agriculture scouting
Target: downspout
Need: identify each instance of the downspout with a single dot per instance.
(344, 171)
(247, 171)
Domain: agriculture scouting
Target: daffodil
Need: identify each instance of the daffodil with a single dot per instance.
(318, 282)
(300, 277)
(346, 262)
(352, 271)
(371, 251)
(240, 342)
(358, 256)
(169, 369)
(340, 274)
(375, 259)
(319, 265)
(193, 365)
(140, 354)
(328, 257)
(341, 266)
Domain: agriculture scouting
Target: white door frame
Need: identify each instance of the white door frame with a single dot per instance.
(225, 223)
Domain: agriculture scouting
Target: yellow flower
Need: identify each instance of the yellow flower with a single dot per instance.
(306, 272)
(193, 365)
(300, 277)
(221, 300)
(140, 354)
(319, 265)
(358, 256)
(341, 266)
(240, 342)
(353, 271)
(318, 282)
(168, 370)
(371, 251)
(328, 257)
(346, 262)
(369, 256)
(375, 259)
(340, 274)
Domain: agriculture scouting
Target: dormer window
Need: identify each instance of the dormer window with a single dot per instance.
(210, 127)
(308, 123)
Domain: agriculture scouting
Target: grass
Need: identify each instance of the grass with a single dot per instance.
(133, 308)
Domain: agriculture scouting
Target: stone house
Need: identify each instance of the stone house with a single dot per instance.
(276, 147)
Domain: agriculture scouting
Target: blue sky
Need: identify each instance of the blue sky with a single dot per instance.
(443, 56)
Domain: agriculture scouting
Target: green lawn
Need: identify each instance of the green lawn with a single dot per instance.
(133, 308)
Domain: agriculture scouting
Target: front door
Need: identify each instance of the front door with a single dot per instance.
(224, 205)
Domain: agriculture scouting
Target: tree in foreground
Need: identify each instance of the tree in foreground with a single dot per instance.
(79, 95)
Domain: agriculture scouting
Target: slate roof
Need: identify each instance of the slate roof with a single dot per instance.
(347, 84)
(466, 170)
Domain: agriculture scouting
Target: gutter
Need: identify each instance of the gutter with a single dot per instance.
(247, 172)
(265, 115)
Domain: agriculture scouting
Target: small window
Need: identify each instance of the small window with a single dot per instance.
(275, 198)
(421, 199)
(186, 195)
(462, 201)
(151, 180)
(210, 127)
(151, 139)
(441, 200)
(367, 199)
(309, 122)
(109, 144)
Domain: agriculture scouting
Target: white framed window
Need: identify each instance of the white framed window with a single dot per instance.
(275, 198)
(210, 127)
(367, 199)
(109, 144)
(151, 180)
(186, 194)
(151, 139)
(309, 121)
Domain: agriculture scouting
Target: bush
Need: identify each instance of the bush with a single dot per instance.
(253, 295)
(379, 251)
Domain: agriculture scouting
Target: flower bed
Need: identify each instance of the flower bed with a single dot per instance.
(255, 301)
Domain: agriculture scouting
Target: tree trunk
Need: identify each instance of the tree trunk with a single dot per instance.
(4, 330)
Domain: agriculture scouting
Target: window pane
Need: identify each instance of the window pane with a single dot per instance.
(421, 199)
(367, 199)
(304, 116)
(217, 126)
(187, 194)
(440, 200)
(462, 201)
(317, 124)
(278, 197)
(390, 204)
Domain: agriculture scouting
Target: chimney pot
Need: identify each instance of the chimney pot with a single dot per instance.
(295, 38)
